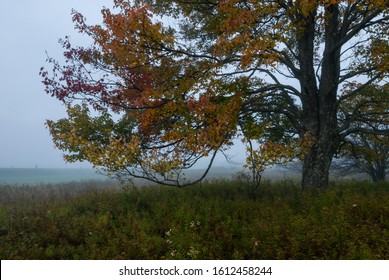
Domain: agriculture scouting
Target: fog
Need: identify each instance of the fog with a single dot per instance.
(28, 29)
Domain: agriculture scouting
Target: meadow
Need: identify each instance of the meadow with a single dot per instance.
(213, 220)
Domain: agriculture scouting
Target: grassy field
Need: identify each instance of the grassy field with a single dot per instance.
(216, 220)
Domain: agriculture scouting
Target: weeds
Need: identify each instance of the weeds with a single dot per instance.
(216, 220)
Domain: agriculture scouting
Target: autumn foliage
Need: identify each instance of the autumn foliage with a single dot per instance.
(167, 83)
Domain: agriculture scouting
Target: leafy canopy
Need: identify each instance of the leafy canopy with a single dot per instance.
(171, 82)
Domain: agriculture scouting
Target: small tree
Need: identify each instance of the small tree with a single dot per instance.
(361, 151)
(183, 87)
(367, 154)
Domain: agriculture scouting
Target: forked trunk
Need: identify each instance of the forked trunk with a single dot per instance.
(319, 101)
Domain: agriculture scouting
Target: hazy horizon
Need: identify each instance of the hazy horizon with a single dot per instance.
(29, 29)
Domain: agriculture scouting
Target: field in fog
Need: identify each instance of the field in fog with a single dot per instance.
(218, 219)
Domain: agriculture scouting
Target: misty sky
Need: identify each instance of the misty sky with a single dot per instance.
(28, 29)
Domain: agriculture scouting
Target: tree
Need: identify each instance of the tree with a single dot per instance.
(363, 152)
(367, 154)
(191, 76)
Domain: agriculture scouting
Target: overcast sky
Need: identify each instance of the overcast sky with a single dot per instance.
(28, 29)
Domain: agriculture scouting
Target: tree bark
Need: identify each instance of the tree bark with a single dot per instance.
(319, 97)
(317, 164)
(325, 139)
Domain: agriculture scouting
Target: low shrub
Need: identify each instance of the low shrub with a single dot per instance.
(216, 220)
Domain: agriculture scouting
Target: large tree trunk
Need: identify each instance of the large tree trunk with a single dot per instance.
(315, 171)
(316, 166)
(319, 102)
(325, 139)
